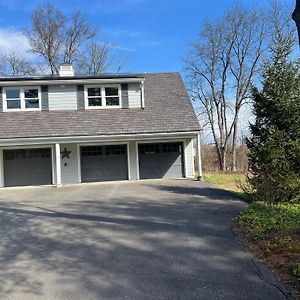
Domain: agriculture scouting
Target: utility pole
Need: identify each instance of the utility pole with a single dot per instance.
(296, 17)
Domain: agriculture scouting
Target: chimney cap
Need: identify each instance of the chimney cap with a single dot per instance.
(66, 69)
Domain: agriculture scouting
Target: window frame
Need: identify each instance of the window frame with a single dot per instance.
(22, 98)
(103, 96)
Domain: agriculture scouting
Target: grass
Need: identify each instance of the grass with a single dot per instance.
(270, 231)
(226, 181)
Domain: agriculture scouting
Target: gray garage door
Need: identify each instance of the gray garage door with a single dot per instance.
(101, 163)
(161, 160)
(27, 167)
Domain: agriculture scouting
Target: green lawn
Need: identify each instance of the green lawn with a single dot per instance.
(226, 181)
(271, 231)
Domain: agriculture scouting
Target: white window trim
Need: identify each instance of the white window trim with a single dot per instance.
(22, 98)
(103, 97)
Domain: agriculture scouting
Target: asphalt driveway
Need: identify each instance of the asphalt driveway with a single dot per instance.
(157, 239)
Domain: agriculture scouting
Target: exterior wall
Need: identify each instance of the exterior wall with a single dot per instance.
(189, 158)
(1, 100)
(66, 97)
(62, 98)
(69, 167)
(133, 161)
(1, 169)
(134, 95)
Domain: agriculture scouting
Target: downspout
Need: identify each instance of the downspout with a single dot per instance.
(142, 95)
(199, 161)
(1, 169)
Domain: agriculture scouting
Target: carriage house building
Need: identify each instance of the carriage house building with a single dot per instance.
(71, 129)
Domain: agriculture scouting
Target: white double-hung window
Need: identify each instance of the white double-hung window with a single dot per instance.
(27, 98)
(102, 96)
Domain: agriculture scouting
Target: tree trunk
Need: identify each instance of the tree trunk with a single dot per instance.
(234, 143)
(223, 161)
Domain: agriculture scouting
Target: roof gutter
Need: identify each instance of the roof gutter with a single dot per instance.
(95, 139)
(71, 81)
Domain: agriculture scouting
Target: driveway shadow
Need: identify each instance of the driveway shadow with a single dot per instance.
(165, 240)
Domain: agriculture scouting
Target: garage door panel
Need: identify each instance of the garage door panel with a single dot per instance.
(160, 160)
(104, 163)
(16, 172)
(40, 166)
(90, 170)
(27, 167)
(149, 170)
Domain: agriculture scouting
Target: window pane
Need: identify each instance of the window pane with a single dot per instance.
(169, 148)
(12, 94)
(111, 101)
(94, 92)
(14, 154)
(95, 101)
(115, 150)
(13, 104)
(34, 103)
(111, 91)
(91, 151)
(149, 148)
(31, 93)
(39, 153)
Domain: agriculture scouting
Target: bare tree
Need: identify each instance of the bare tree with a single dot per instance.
(46, 34)
(96, 58)
(99, 57)
(75, 35)
(247, 35)
(221, 65)
(282, 33)
(56, 38)
(13, 64)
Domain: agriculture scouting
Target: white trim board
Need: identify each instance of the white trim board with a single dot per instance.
(70, 81)
(102, 96)
(95, 139)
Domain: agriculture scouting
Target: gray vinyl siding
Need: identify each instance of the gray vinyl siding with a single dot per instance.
(189, 158)
(133, 161)
(72, 97)
(62, 97)
(134, 95)
(1, 99)
(124, 95)
(80, 97)
(45, 99)
(69, 173)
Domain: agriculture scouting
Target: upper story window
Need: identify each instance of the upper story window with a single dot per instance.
(21, 99)
(103, 96)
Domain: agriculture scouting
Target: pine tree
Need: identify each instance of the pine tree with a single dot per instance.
(274, 144)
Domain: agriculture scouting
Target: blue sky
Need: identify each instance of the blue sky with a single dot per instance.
(152, 34)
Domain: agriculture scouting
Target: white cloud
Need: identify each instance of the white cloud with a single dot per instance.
(14, 41)
(123, 33)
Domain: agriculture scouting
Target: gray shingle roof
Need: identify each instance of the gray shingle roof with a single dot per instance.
(167, 109)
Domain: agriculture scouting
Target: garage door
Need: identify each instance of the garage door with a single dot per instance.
(161, 160)
(27, 167)
(101, 163)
